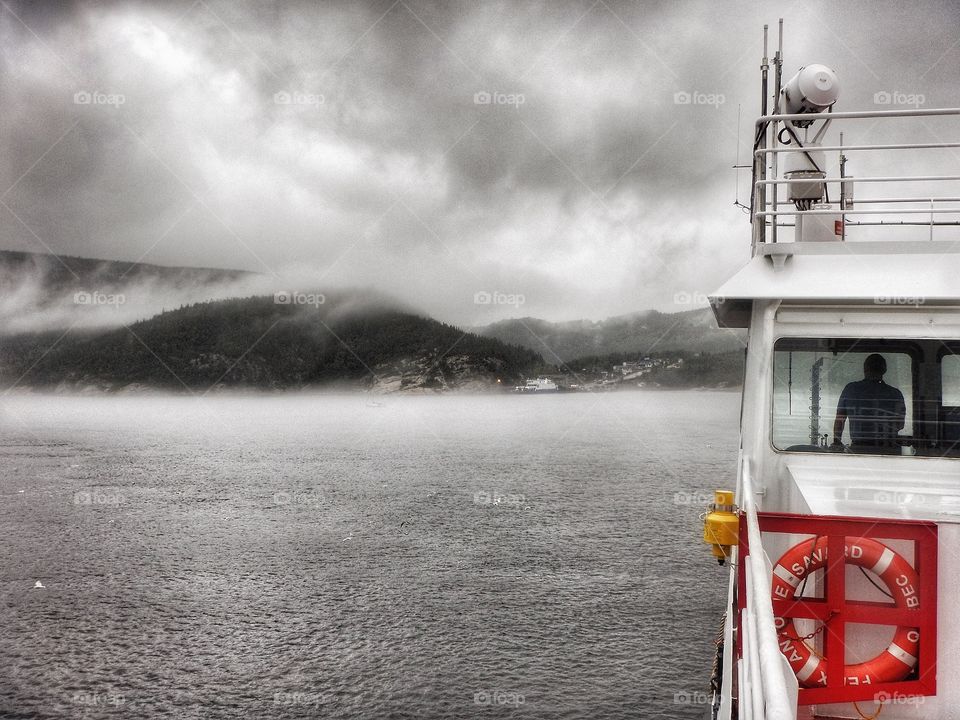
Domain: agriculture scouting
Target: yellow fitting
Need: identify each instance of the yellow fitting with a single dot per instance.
(721, 525)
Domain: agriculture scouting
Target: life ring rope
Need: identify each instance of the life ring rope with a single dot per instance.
(790, 577)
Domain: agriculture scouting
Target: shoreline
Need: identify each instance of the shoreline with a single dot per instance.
(199, 393)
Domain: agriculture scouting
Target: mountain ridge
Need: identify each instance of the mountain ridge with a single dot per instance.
(46, 296)
(257, 342)
(74, 269)
(641, 332)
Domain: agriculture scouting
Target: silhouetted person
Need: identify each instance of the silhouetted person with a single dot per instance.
(876, 410)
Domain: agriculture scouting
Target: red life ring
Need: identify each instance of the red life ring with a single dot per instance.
(897, 660)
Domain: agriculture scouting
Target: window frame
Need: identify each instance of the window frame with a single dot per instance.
(947, 347)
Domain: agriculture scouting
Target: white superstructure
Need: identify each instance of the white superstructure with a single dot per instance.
(832, 281)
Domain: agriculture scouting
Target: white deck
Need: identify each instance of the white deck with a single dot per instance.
(874, 487)
(847, 276)
(840, 273)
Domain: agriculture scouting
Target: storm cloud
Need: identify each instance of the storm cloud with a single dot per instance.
(573, 155)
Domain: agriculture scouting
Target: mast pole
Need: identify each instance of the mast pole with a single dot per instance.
(843, 192)
(759, 192)
(777, 72)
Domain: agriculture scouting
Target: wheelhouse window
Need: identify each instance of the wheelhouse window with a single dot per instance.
(949, 409)
(950, 379)
(846, 395)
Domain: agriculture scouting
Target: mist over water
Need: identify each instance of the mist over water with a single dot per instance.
(338, 556)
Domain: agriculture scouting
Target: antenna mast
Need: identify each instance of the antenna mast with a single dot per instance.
(758, 198)
(777, 73)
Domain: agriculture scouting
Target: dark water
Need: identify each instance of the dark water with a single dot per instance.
(435, 557)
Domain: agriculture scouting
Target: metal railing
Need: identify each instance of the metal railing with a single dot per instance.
(764, 694)
(770, 209)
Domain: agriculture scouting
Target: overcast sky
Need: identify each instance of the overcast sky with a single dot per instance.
(430, 150)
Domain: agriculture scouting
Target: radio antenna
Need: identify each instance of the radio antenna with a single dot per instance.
(737, 167)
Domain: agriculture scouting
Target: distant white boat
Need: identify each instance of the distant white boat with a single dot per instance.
(540, 385)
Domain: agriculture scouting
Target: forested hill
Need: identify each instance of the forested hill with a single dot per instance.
(121, 335)
(257, 342)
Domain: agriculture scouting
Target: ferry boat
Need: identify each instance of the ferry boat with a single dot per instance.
(842, 531)
(540, 385)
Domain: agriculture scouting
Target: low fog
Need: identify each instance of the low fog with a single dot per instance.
(33, 302)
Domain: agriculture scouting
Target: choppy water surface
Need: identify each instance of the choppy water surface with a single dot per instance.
(435, 557)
